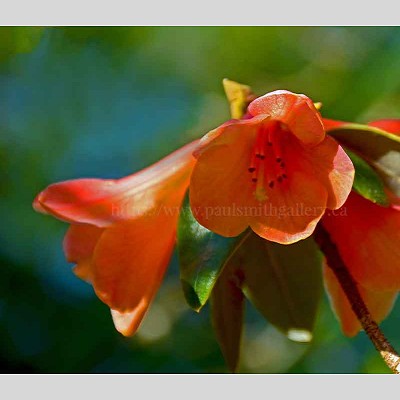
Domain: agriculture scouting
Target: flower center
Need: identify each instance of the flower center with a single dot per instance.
(267, 165)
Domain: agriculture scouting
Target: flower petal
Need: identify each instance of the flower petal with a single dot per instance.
(297, 111)
(103, 202)
(79, 244)
(293, 210)
(129, 263)
(220, 184)
(388, 125)
(229, 126)
(367, 237)
(127, 323)
(333, 168)
(379, 304)
(80, 241)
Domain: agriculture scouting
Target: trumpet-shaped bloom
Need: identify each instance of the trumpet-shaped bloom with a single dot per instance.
(123, 231)
(379, 303)
(275, 171)
(367, 237)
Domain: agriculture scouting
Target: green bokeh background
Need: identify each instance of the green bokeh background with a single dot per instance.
(104, 102)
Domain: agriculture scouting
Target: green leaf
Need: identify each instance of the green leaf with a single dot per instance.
(202, 255)
(379, 148)
(284, 283)
(366, 181)
(227, 311)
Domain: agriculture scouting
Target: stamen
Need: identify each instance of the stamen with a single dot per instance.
(269, 137)
(261, 151)
(253, 163)
(267, 164)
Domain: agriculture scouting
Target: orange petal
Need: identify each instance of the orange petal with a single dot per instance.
(388, 125)
(297, 111)
(333, 168)
(293, 211)
(129, 263)
(378, 303)
(103, 202)
(242, 125)
(221, 185)
(84, 270)
(127, 323)
(79, 244)
(80, 241)
(367, 237)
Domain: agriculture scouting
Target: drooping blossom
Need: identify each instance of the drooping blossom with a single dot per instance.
(122, 231)
(367, 237)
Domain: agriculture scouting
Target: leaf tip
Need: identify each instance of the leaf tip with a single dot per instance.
(191, 296)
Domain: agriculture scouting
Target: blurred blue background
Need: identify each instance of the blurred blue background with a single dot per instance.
(104, 102)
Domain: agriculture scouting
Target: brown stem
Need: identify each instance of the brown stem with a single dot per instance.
(349, 286)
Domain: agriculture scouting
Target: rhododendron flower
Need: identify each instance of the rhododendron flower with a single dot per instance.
(123, 231)
(367, 237)
(275, 171)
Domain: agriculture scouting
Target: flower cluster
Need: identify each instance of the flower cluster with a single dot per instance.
(276, 170)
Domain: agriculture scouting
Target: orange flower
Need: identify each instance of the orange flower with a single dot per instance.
(367, 237)
(275, 171)
(123, 231)
(370, 251)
